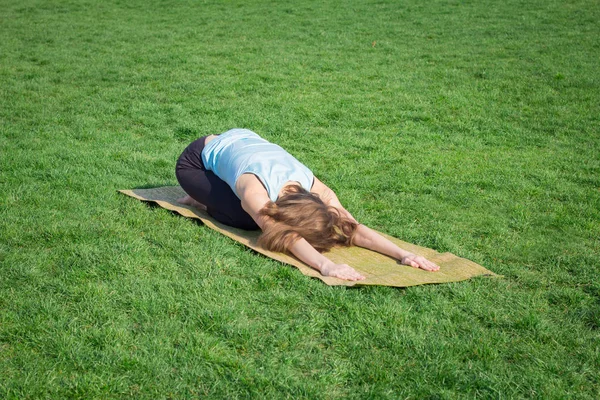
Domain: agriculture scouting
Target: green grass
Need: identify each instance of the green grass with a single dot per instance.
(470, 127)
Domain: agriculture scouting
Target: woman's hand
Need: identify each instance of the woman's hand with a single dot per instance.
(416, 261)
(342, 271)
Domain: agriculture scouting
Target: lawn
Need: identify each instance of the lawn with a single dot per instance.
(471, 127)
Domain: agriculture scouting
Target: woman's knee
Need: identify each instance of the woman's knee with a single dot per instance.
(236, 220)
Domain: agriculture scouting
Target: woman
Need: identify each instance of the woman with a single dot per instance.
(246, 182)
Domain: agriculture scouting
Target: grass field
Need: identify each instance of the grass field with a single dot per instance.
(470, 127)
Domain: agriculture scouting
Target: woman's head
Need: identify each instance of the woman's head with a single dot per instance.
(301, 214)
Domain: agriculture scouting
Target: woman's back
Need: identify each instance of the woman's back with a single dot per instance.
(241, 151)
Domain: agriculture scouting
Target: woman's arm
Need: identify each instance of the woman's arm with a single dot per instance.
(368, 238)
(305, 252)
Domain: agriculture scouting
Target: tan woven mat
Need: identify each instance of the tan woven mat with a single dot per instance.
(379, 269)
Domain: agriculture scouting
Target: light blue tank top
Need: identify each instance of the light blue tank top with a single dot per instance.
(240, 151)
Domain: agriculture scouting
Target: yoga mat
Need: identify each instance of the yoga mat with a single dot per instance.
(378, 269)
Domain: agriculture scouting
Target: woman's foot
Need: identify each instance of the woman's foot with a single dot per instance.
(188, 201)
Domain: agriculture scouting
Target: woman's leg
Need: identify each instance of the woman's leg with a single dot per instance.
(208, 189)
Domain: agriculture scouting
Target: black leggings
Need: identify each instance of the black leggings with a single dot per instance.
(206, 188)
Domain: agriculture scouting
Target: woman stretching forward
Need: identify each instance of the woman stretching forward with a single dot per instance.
(246, 182)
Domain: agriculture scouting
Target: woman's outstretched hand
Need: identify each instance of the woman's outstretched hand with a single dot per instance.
(416, 261)
(342, 271)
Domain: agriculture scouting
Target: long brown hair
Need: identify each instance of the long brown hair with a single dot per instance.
(300, 214)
